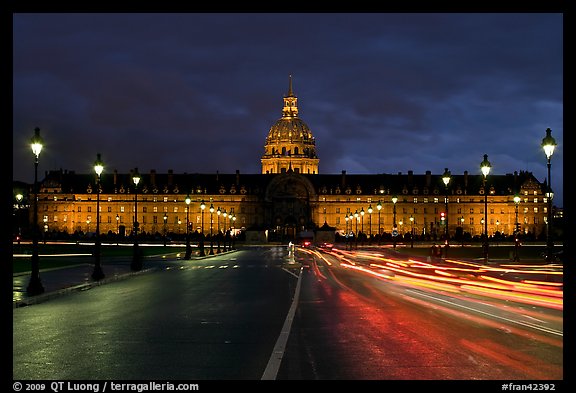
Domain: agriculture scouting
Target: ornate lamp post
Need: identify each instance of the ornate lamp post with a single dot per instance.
(45, 220)
(97, 274)
(117, 228)
(362, 224)
(346, 231)
(516, 231)
(350, 218)
(233, 225)
(485, 168)
(35, 285)
(370, 221)
(394, 226)
(225, 227)
(218, 212)
(165, 220)
(446, 180)
(379, 207)
(462, 224)
(188, 248)
(411, 231)
(357, 217)
(136, 258)
(211, 209)
(19, 198)
(549, 144)
(202, 207)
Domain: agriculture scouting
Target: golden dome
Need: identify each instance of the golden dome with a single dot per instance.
(290, 144)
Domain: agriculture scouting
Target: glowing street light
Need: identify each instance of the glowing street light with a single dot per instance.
(136, 258)
(97, 274)
(35, 285)
(218, 212)
(446, 180)
(188, 248)
(202, 207)
(211, 209)
(517, 200)
(379, 207)
(394, 226)
(549, 144)
(411, 231)
(485, 168)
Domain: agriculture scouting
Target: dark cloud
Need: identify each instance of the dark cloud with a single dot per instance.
(382, 93)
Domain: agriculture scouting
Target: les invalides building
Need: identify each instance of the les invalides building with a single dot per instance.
(291, 196)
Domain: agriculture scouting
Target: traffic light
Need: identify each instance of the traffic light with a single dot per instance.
(442, 216)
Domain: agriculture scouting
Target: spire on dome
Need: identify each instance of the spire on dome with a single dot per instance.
(290, 109)
(290, 92)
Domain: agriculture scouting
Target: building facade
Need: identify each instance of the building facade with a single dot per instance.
(290, 195)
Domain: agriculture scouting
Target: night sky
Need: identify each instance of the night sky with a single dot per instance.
(198, 92)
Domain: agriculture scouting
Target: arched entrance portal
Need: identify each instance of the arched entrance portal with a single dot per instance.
(289, 202)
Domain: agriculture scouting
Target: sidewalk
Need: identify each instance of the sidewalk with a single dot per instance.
(62, 280)
(59, 281)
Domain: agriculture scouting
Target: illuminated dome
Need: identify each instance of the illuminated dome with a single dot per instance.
(290, 145)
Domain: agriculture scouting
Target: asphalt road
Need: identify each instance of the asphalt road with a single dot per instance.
(223, 318)
(212, 319)
(351, 326)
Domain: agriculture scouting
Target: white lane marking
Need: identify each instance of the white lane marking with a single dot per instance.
(276, 358)
(292, 273)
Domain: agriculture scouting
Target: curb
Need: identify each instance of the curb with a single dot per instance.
(80, 287)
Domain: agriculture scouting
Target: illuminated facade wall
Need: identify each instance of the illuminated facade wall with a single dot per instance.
(265, 201)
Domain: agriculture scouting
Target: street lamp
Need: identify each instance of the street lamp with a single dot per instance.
(485, 168)
(218, 212)
(19, 198)
(117, 228)
(370, 222)
(356, 216)
(548, 144)
(136, 259)
(225, 230)
(45, 219)
(462, 225)
(97, 274)
(411, 231)
(446, 180)
(350, 218)
(346, 232)
(233, 236)
(211, 242)
(188, 248)
(202, 207)
(165, 220)
(35, 285)
(379, 207)
(394, 230)
(362, 225)
(516, 231)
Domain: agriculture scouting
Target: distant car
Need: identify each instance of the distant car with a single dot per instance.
(306, 243)
(326, 245)
(555, 256)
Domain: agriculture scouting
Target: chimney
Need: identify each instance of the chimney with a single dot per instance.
(237, 177)
(153, 177)
(170, 176)
(343, 179)
(465, 179)
(428, 178)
